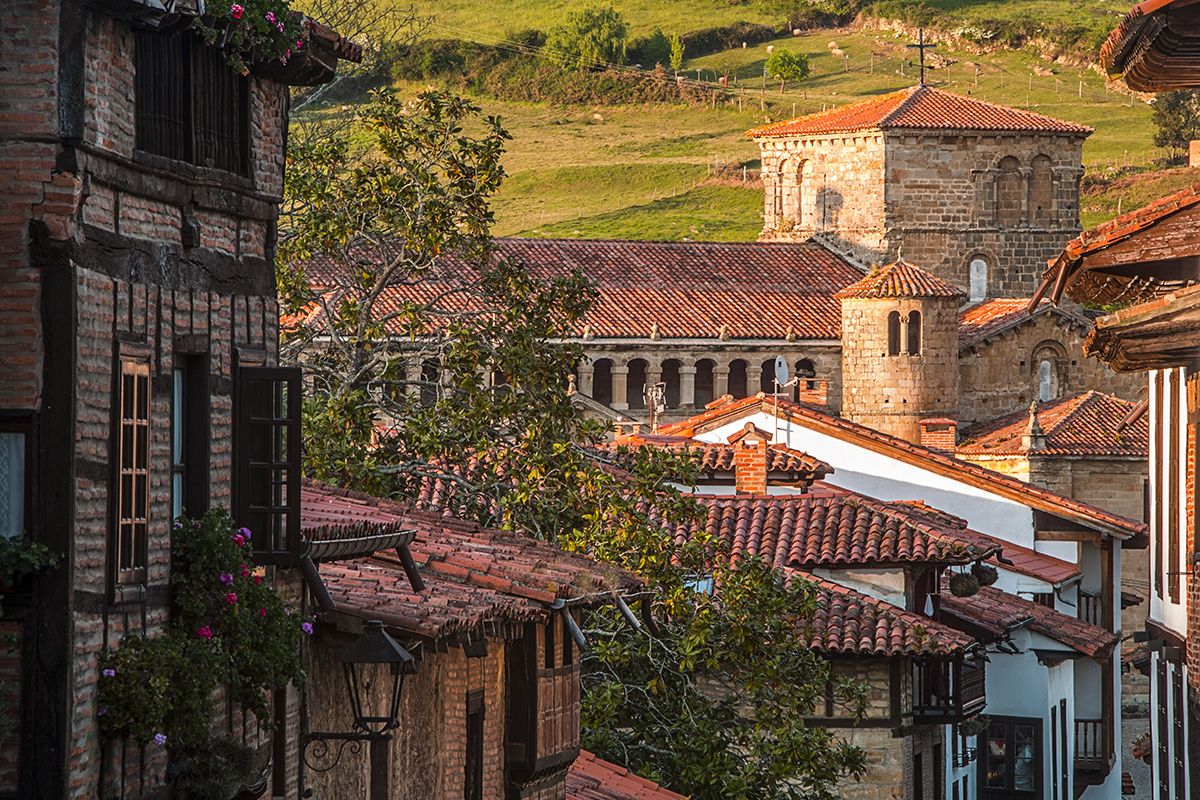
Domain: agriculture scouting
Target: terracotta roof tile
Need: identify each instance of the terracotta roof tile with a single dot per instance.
(1087, 424)
(934, 460)
(472, 574)
(1154, 47)
(705, 290)
(827, 527)
(919, 107)
(849, 622)
(900, 279)
(593, 778)
(994, 607)
(718, 457)
(979, 322)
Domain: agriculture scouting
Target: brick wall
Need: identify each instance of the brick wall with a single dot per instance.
(892, 393)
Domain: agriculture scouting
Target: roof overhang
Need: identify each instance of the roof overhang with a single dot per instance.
(1161, 333)
(1156, 47)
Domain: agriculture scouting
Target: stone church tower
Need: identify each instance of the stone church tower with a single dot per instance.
(981, 195)
(899, 349)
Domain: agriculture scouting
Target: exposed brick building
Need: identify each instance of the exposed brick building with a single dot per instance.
(142, 179)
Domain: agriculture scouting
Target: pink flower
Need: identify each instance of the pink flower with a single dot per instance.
(279, 25)
(239, 540)
(262, 612)
(235, 11)
(204, 632)
(231, 598)
(299, 44)
(258, 580)
(270, 17)
(245, 571)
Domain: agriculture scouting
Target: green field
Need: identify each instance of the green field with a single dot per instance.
(1102, 201)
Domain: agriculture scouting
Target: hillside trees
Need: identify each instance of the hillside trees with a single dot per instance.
(787, 65)
(1177, 118)
(593, 37)
(430, 359)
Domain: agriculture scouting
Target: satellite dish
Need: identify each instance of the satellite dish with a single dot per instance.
(781, 371)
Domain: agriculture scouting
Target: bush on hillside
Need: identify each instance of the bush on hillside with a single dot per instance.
(649, 51)
(812, 13)
(1176, 118)
(592, 38)
(707, 41)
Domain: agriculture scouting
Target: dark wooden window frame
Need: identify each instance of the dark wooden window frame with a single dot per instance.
(262, 505)
(473, 766)
(22, 422)
(129, 530)
(1065, 764)
(189, 105)
(987, 792)
(197, 414)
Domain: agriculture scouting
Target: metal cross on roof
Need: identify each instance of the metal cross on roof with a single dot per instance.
(921, 46)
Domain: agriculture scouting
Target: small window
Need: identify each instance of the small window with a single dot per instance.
(133, 471)
(14, 477)
(1044, 599)
(1047, 384)
(1010, 758)
(893, 326)
(914, 333)
(978, 279)
(473, 778)
(267, 460)
(189, 436)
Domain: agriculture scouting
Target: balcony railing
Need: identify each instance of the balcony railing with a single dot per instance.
(947, 691)
(1091, 608)
(1091, 745)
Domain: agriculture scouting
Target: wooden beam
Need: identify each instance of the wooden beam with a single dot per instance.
(1068, 536)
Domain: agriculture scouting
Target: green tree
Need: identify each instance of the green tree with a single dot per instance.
(677, 49)
(390, 223)
(593, 37)
(786, 65)
(1176, 118)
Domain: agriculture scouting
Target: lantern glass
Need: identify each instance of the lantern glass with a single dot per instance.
(374, 668)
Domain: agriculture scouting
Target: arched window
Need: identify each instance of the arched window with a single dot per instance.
(737, 378)
(806, 371)
(1041, 190)
(704, 382)
(894, 333)
(766, 377)
(602, 380)
(670, 377)
(1047, 380)
(636, 393)
(914, 333)
(979, 279)
(1008, 192)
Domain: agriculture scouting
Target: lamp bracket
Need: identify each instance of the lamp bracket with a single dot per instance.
(327, 747)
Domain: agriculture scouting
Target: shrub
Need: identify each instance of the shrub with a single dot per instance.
(714, 40)
(649, 51)
(591, 38)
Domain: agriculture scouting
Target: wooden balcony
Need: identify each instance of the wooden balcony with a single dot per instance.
(947, 691)
(1092, 751)
(1091, 608)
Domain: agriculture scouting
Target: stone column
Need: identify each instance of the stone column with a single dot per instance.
(720, 381)
(584, 385)
(687, 386)
(620, 377)
(412, 378)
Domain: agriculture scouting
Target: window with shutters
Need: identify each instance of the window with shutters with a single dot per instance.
(133, 471)
(190, 106)
(267, 460)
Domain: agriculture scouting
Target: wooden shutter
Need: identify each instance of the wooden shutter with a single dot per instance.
(162, 123)
(267, 460)
(220, 102)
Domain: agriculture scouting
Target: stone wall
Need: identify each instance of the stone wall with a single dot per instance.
(826, 184)
(892, 393)
(1000, 376)
(1011, 199)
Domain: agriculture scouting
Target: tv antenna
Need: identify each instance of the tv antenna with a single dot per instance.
(783, 380)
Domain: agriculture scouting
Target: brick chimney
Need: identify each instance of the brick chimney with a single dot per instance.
(750, 459)
(939, 433)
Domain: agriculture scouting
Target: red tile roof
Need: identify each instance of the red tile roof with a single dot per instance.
(933, 460)
(849, 622)
(979, 322)
(826, 527)
(1154, 47)
(1010, 556)
(995, 608)
(472, 574)
(705, 290)
(900, 279)
(919, 107)
(718, 457)
(593, 778)
(1070, 271)
(1088, 424)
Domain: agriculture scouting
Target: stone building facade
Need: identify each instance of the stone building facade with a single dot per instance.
(137, 287)
(979, 194)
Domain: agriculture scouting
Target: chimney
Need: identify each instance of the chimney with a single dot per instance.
(1034, 437)
(750, 459)
(939, 433)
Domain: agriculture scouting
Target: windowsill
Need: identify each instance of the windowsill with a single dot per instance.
(192, 172)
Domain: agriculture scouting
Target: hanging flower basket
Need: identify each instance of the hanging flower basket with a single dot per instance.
(963, 584)
(254, 31)
(976, 726)
(986, 574)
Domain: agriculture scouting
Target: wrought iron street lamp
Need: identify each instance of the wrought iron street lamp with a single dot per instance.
(374, 666)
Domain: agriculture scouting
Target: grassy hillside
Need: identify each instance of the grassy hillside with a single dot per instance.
(1104, 199)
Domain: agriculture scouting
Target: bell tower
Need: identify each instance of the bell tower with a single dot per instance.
(899, 349)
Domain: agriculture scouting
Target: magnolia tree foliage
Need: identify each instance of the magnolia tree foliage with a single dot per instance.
(430, 358)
